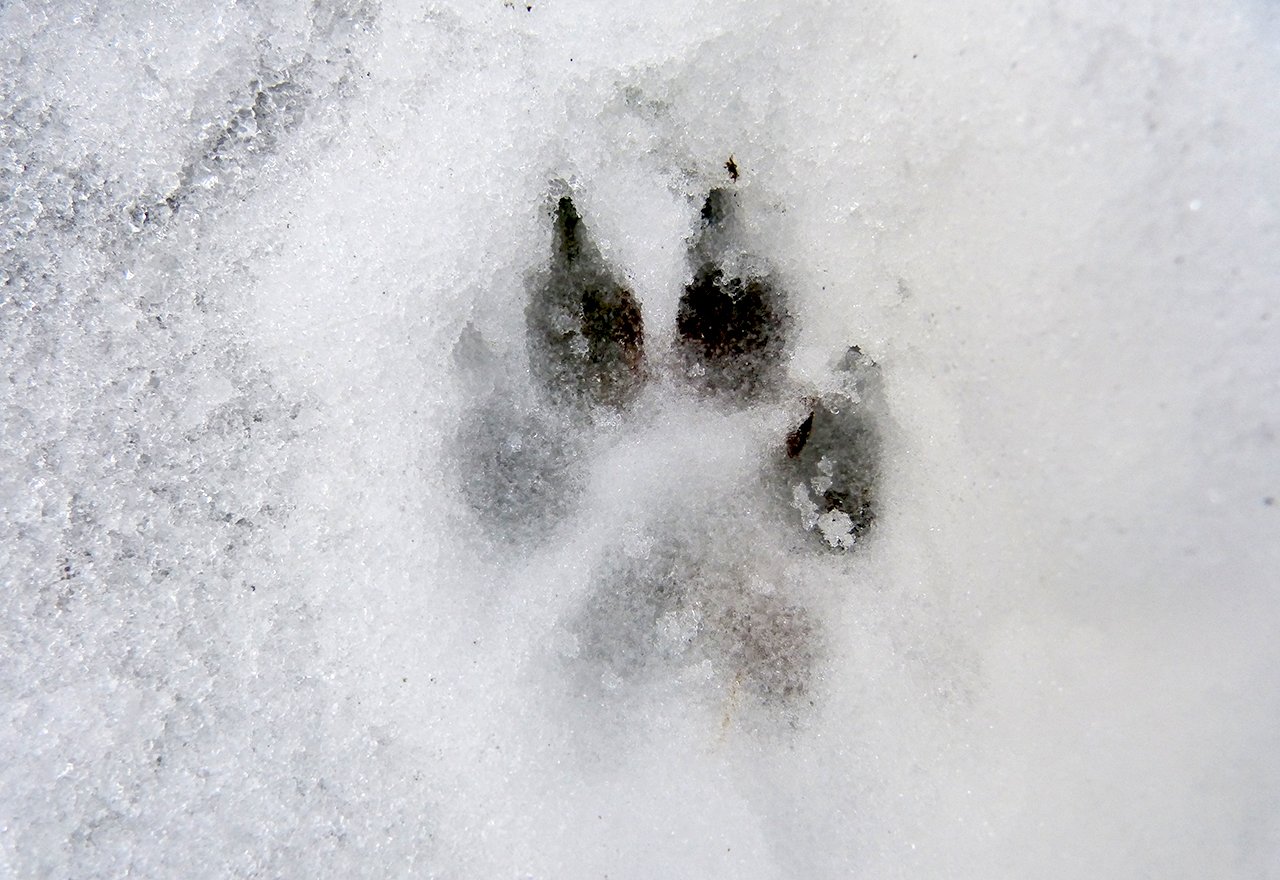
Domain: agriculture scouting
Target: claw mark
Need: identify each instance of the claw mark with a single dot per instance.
(799, 437)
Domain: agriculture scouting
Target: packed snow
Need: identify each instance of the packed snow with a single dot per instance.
(554, 439)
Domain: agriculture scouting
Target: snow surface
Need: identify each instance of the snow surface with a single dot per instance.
(266, 265)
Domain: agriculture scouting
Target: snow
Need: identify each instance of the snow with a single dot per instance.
(307, 573)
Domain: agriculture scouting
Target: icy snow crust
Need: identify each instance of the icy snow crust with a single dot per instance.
(314, 565)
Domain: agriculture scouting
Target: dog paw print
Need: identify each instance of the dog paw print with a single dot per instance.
(690, 604)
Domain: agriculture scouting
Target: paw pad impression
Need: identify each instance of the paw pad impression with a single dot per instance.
(586, 340)
(833, 456)
(732, 322)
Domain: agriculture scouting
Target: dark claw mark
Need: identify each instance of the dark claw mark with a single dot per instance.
(732, 327)
(716, 210)
(799, 437)
(586, 339)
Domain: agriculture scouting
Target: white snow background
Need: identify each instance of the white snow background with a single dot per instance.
(250, 627)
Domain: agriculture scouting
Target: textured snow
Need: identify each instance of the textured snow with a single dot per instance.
(270, 609)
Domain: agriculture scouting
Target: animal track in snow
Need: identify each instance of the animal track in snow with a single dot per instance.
(680, 604)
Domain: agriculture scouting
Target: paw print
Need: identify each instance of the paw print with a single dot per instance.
(687, 605)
